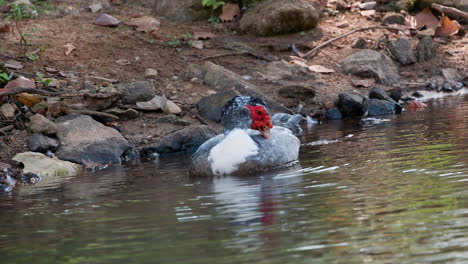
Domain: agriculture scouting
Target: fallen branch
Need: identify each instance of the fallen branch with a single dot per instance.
(326, 43)
(3, 130)
(450, 11)
(93, 113)
(38, 91)
(222, 55)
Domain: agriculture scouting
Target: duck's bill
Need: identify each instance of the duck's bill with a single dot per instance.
(266, 133)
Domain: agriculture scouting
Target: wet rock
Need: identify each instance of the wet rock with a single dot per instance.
(172, 108)
(185, 140)
(452, 86)
(360, 43)
(402, 51)
(151, 73)
(40, 124)
(123, 114)
(393, 18)
(283, 71)
(40, 143)
(376, 107)
(139, 91)
(172, 119)
(299, 92)
(426, 49)
(84, 140)
(222, 79)
(7, 111)
(395, 94)
(157, 103)
(334, 114)
(210, 106)
(273, 17)
(350, 104)
(42, 165)
(370, 63)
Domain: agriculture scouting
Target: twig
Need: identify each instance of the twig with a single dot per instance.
(6, 129)
(222, 55)
(314, 50)
(93, 113)
(39, 91)
(450, 11)
(196, 115)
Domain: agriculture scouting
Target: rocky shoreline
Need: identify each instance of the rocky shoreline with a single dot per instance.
(69, 121)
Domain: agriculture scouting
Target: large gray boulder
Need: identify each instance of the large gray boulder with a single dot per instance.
(376, 107)
(84, 140)
(184, 140)
(371, 64)
(210, 106)
(223, 79)
(273, 17)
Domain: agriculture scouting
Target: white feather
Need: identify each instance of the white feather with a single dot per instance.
(234, 150)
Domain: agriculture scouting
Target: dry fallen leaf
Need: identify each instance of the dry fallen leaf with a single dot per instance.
(12, 64)
(70, 47)
(27, 99)
(145, 23)
(20, 82)
(51, 70)
(203, 35)
(5, 27)
(447, 27)
(320, 69)
(296, 58)
(425, 18)
(230, 12)
(363, 83)
(106, 20)
(300, 63)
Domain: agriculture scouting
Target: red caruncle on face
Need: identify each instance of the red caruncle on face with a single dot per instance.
(261, 120)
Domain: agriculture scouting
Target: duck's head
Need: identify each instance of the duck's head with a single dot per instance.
(245, 112)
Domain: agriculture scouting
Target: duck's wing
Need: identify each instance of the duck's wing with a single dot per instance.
(200, 166)
(292, 122)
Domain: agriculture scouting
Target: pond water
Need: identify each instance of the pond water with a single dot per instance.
(395, 192)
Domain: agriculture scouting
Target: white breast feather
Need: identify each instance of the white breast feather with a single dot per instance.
(228, 154)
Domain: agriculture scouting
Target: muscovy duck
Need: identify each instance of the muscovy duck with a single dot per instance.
(250, 143)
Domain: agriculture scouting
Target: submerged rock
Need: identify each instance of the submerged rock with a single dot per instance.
(350, 104)
(376, 107)
(334, 114)
(371, 64)
(42, 165)
(82, 139)
(273, 17)
(185, 140)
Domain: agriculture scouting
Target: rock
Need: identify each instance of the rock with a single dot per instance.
(123, 114)
(417, 94)
(376, 107)
(343, 24)
(452, 86)
(350, 104)
(7, 111)
(139, 91)
(273, 17)
(151, 73)
(157, 103)
(42, 165)
(223, 79)
(395, 94)
(283, 70)
(172, 119)
(360, 43)
(106, 20)
(95, 7)
(393, 18)
(185, 140)
(341, 5)
(84, 140)
(20, 82)
(379, 93)
(172, 108)
(57, 109)
(5, 151)
(210, 106)
(40, 124)
(334, 114)
(22, 2)
(299, 92)
(370, 63)
(402, 51)
(103, 98)
(426, 49)
(40, 143)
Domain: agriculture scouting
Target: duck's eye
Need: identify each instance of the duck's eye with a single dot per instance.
(259, 112)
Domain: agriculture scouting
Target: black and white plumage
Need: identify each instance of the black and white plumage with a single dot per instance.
(247, 144)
